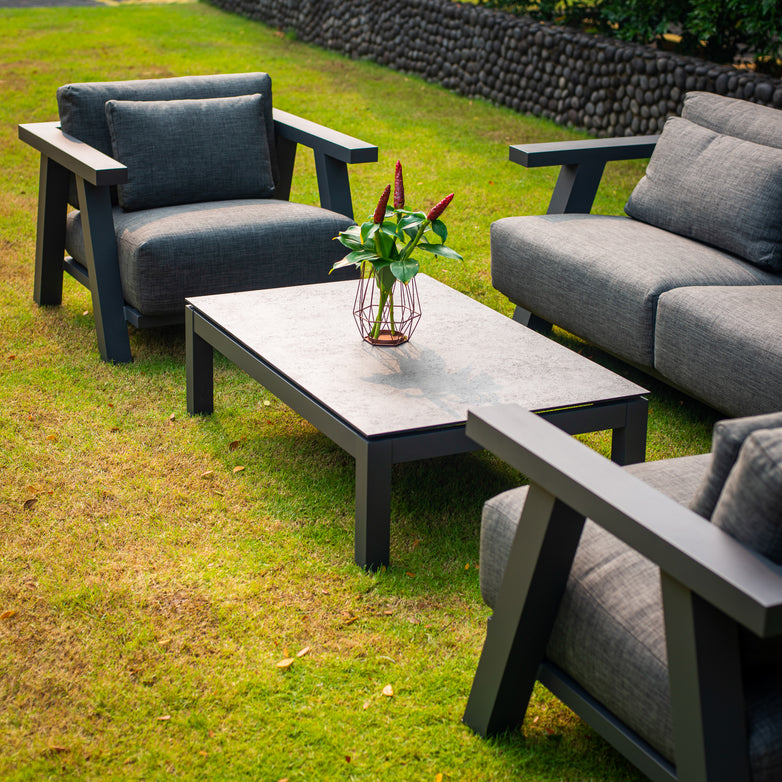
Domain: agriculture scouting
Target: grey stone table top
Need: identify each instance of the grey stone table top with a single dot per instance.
(463, 354)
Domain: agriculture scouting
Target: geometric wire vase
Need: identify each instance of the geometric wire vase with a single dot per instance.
(399, 317)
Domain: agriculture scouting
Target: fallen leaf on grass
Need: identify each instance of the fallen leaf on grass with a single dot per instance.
(237, 469)
(286, 662)
(30, 504)
(56, 748)
(208, 474)
(366, 705)
(163, 717)
(303, 652)
(438, 777)
(172, 417)
(349, 620)
(51, 438)
(203, 753)
(388, 691)
(8, 614)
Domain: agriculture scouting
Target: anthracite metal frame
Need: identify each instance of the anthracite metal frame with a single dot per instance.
(375, 455)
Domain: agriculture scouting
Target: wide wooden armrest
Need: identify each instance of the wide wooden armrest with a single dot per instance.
(76, 156)
(740, 583)
(569, 153)
(322, 139)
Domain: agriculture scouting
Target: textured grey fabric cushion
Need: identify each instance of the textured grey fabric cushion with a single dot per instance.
(81, 105)
(716, 189)
(173, 252)
(186, 151)
(722, 345)
(726, 440)
(739, 118)
(609, 634)
(600, 276)
(750, 505)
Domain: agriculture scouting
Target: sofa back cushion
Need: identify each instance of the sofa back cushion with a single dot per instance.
(738, 118)
(715, 188)
(750, 504)
(726, 440)
(188, 151)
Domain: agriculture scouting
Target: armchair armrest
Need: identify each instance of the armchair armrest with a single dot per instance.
(74, 155)
(582, 164)
(332, 150)
(738, 582)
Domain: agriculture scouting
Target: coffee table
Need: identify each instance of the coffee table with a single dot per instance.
(386, 405)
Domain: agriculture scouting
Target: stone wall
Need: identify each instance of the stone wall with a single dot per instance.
(609, 87)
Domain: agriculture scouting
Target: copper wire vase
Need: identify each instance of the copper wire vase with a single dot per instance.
(399, 317)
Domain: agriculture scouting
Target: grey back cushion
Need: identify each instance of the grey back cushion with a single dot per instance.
(739, 118)
(750, 505)
(727, 438)
(190, 151)
(714, 188)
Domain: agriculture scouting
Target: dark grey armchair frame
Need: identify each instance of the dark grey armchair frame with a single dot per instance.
(582, 166)
(711, 585)
(63, 156)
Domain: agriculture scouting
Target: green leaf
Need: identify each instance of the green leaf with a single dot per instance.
(404, 271)
(368, 230)
(438, 226)
(441, 250)
(359, 256)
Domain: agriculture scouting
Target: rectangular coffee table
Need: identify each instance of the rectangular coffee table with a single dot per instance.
(385, 405)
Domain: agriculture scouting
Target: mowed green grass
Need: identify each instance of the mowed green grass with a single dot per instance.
(156, 568)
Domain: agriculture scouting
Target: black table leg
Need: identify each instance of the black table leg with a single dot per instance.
(199, 360)
(628, 444)
(373, 504)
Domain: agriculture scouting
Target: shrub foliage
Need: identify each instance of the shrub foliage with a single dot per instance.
(719, 30)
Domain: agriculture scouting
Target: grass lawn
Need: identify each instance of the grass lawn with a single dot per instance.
(148, 586)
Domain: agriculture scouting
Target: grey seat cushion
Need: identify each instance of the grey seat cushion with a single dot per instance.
(609, 634)
(600, 276)
(190, 151)
(722, 345)
(217, 247)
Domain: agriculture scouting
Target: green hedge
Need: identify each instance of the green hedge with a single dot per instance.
(721, 31)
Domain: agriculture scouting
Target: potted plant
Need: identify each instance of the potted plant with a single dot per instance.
(387, 309)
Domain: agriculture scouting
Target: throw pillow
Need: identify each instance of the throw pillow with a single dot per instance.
(189, 151)
(726, 441)
(714, 188)
(750, 506)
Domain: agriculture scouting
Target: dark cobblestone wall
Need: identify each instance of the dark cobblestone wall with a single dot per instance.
(607, 86)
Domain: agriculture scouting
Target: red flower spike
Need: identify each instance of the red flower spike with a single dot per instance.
(439, 208)
(380, 210)
(399, 188)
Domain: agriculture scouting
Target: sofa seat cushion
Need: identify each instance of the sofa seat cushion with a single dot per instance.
(614, 647)
(599, 276)
(609, 634)
(722, 345)
(217, 247)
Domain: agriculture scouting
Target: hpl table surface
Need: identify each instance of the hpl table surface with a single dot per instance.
(463, 354)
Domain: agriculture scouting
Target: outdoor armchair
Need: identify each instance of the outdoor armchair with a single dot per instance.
(181, 188)
(658, 627)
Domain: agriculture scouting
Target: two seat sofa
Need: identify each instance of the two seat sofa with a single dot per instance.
(688, 285)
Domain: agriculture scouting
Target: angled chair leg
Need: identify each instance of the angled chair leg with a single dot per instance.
(100, 246)
(50, 238)
(576, 187)
(333, 184)
(707, 694)
(533, 584)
